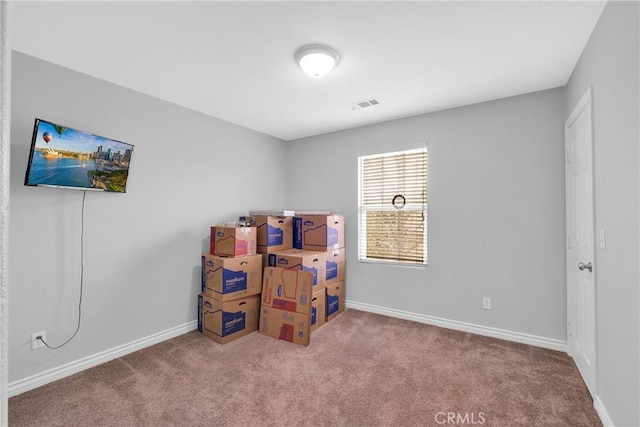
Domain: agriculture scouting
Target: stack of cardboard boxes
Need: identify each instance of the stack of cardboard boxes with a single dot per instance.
(303, 276)
(325, 234)
(229, 304)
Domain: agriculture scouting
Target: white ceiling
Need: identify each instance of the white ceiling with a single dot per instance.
(234, 60)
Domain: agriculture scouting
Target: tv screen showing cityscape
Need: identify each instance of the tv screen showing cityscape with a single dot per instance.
(64, 157)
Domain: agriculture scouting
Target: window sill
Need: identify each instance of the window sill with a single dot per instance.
(393, 263)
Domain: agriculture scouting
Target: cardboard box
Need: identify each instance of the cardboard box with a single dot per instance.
(233, 241)
(288, 290)
(227, 278)
(274, 233)
(335, 300)
(318, 312)
(272, 212)
(322, 232)
(227, 321)
(285, 325)
(335, 266)
(298, 259)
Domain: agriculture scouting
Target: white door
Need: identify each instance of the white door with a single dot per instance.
(581, 321)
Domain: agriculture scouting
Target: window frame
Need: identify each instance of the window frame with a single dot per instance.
(362, 234)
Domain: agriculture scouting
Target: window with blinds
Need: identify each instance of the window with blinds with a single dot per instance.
(393, 207)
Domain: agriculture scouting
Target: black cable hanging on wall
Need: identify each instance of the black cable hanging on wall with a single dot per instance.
(84, 195)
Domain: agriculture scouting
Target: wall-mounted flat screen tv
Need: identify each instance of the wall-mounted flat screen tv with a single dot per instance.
(64, 157)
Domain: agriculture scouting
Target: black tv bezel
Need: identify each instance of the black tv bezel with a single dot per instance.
(34, 137)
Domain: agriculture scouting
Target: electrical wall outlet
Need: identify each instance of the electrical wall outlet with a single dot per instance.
(486, 303)
(35, 342)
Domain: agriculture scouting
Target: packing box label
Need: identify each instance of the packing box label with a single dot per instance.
(297, 259)
(318, 313)
(314, 315)
(286, 289)
(200, 301)
(320, 232)
(233, 241)
(285, 325)
(225, 321)
(332, 269)
(230, 322)
(297, 232)
(335, 300)
(333, 304)
(231, 278)
(275, 235)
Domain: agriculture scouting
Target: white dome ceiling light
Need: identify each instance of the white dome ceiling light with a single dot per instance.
(316, 60)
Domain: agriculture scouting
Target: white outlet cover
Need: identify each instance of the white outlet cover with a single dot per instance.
(35, 343)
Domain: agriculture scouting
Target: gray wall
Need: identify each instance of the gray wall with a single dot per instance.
(609, 63)
(142, 248)
(496, 215)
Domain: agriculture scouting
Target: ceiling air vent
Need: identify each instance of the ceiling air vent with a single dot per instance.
(365, 104)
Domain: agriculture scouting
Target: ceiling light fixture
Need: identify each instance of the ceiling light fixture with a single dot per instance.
(316, 59)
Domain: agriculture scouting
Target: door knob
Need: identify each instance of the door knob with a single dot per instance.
(582, 266)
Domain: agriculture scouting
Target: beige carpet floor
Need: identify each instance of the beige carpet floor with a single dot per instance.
(361, 369)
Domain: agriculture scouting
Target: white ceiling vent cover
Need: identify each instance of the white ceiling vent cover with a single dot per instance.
(365, 104)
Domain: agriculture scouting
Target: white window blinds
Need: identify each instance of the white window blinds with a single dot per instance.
(392, 207)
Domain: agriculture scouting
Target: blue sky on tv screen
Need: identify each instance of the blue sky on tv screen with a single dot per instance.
(76, 141)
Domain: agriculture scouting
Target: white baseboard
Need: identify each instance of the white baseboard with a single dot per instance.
(519, 337)
(602, 412)
(42, 378)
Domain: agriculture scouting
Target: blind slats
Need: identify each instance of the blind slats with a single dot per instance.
(386, 232)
